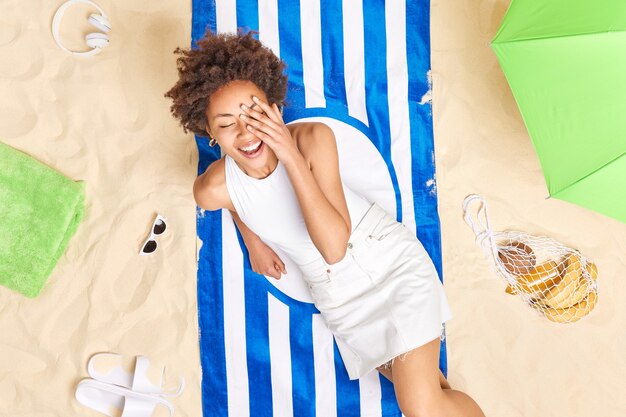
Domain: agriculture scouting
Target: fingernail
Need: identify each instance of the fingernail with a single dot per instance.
(243, 106)
(243, 116)
(255, 98)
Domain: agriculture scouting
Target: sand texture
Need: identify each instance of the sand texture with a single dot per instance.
(511, 361)
(104, 120)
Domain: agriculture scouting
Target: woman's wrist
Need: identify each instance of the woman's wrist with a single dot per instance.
(251, 240)
(294, 160)
(249, 237)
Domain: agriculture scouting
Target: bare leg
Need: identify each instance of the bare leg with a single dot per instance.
(386, 372)
(417, 383)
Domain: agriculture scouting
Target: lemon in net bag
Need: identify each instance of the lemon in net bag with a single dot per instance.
(553, 279)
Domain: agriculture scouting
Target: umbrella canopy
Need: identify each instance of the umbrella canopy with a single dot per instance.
(565, 61)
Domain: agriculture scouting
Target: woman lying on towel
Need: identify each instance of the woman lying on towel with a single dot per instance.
(369, 276)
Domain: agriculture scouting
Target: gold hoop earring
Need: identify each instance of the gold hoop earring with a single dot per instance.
(212, 142)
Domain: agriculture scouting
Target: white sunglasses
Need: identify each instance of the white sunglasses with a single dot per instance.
(158, 227)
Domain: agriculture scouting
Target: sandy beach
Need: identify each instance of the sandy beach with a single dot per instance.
(104, 120)
(513, 362)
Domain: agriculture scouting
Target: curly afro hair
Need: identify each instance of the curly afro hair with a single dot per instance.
(218, 60)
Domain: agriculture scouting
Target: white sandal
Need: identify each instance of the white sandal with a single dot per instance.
(109, 399)
(136, 393)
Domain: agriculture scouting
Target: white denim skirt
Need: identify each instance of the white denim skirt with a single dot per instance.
(383, 299)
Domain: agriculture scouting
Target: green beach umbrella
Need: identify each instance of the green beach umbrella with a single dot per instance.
(565, 61)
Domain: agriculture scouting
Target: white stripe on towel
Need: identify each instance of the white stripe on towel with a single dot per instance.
(226, 16)
(312, 64)
(280, 356)
(371, 394)
(268, 25)
(398, 97)
(324, 368)
(234, 320)
(354, 64)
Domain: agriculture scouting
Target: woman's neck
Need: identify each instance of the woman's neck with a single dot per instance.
(263, 172)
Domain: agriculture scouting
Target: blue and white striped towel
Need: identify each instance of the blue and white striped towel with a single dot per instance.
(361, 67)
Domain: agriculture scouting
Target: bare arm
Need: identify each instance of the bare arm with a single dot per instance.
(263, 259)
(249, 237)
(318, 188)
(320, 194)
(209, 188)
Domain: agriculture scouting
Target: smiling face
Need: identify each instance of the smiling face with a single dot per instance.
(225, 125)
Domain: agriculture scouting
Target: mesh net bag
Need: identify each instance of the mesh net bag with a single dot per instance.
(556, 281)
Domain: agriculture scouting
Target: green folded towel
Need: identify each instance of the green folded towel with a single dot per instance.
(40, 211)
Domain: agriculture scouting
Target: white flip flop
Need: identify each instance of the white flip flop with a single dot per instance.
(116, 387)
(108, 399)
(147, 376)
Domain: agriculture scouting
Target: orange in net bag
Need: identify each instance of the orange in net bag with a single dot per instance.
(555, 280)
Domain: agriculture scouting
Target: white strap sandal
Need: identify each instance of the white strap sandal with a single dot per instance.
(116, 387)
(147, 376)
(109, 399)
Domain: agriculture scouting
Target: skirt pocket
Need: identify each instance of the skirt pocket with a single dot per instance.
(320, 275)
(343, 282)
(384, 227)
